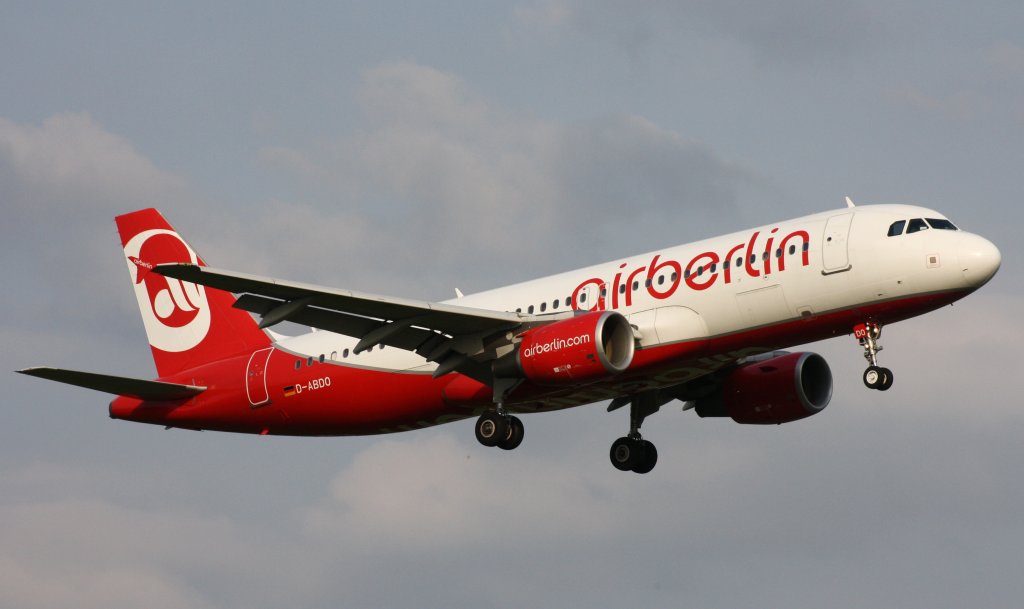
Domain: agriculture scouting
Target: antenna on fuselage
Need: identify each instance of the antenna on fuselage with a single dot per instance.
(849, 202)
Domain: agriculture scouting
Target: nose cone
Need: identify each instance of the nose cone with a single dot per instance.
(979, 259)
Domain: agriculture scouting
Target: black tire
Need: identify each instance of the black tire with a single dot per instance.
(491, 428)
(873, 377)
(626, 453)
(514, 437)
(650, 458)
(886, 381)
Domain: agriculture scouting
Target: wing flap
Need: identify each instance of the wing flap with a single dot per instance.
(117, 385)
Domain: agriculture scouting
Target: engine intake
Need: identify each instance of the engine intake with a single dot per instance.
(572, 351)
(771, 391)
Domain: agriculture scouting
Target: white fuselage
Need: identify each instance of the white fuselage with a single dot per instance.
(801, 268)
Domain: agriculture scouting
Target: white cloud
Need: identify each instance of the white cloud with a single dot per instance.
(71, 164)
(434, 493)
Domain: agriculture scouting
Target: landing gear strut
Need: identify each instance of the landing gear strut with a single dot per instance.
(632, 452)
(875, 377)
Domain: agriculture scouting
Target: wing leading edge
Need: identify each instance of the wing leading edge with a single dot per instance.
(457, 338)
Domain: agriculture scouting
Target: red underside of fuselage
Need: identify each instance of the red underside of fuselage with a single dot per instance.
(335, 400)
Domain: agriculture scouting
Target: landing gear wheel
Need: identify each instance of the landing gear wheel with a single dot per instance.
(492, 428)
(514, 437)
(625, 454)
(650, 458)
(874, 377)
(887, 381)
(633, 455)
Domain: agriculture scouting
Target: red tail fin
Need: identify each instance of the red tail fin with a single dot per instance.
(187, 324)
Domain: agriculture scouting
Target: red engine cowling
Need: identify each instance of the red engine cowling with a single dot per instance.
(584, 348)
(779, 389)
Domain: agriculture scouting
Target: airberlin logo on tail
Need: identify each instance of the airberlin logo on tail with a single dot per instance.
(176, 313)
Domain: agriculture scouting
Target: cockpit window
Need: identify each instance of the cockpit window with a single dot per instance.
(941, 224)
(896, 228)
(917, 224)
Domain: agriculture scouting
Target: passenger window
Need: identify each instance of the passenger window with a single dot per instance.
(661, 279)
(917, 224)
(322, 358)
(309, 360)
(636, 285)
(568, 301)
(543, 307)
(554, 304)
(792, 250)
(529, 309)
(941, 224)
(622, 289)
(298, 364)
(896, 228)
(344, 353)
(739, 262)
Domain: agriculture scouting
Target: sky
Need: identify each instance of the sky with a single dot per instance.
(410, 149)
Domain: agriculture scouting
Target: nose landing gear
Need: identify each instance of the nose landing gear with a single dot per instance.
(875, 377)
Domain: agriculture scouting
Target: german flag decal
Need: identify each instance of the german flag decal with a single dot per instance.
(289, 391)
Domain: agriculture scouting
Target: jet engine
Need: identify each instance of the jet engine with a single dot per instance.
(572, 351)
(777, 389)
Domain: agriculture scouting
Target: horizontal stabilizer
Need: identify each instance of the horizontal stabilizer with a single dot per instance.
(118, 385)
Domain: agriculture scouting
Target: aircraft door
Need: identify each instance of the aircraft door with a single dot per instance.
(835, 244)
(256, 377)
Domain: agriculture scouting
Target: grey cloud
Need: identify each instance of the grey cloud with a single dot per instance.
(792, 32)
(510, 189)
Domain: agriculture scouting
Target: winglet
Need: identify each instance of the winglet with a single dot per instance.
(849, 202)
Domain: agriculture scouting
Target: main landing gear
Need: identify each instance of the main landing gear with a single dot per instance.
(631, 453)
(496, 428)
(875, 377)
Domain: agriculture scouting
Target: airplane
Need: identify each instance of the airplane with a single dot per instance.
(703, 323)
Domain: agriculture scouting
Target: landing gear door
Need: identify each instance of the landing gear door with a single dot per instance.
(256, 377)
(835, 244)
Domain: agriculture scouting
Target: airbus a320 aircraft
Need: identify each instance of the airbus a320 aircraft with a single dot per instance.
(700, 323)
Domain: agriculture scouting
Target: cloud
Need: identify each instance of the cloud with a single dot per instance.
(792, 32)
(469, 185)
(71, 165)
(61, 183)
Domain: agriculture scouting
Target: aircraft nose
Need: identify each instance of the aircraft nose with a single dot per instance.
(979, 259)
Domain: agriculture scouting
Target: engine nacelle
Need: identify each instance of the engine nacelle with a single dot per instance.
(778, 389)
(572, 351)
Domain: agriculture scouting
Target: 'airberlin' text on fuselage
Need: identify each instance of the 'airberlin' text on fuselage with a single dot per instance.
(664, 276)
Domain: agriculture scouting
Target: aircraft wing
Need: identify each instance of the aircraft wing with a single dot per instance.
(458, 338)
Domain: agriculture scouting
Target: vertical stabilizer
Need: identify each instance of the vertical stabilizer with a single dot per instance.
(187, 324)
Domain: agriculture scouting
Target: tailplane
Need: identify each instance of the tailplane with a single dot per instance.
(187, 324)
